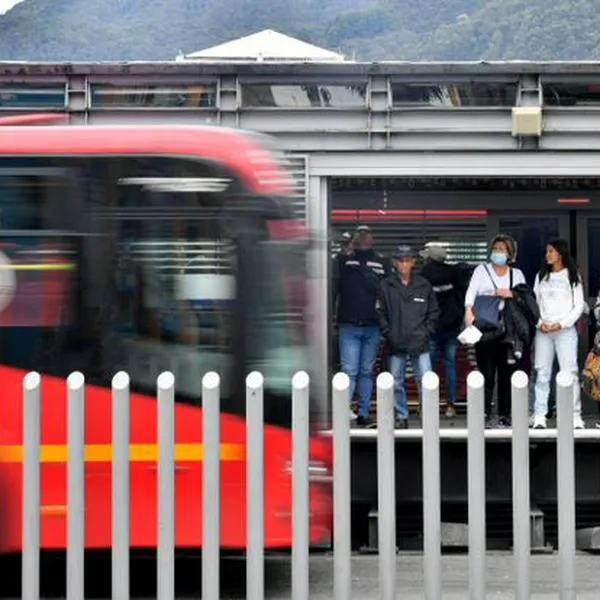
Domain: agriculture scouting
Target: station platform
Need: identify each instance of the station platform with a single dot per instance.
(456, 429)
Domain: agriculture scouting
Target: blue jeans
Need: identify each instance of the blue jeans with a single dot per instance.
(421, 365)
(563, 345)
(447, 343)
(358, 352)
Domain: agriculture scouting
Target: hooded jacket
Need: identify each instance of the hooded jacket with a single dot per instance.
(449, 284)
(408, 314)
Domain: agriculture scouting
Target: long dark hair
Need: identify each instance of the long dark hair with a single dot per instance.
(562, 247)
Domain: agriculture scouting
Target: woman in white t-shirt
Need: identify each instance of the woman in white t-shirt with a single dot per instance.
(559, 293)
(495, 278)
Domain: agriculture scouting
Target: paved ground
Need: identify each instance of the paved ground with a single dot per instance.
(544, 572)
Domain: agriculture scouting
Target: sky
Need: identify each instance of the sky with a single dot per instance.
(6, 4)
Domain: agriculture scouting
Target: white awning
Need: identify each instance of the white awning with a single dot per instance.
(267, 45)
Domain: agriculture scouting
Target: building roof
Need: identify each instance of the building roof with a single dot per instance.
(267, 45)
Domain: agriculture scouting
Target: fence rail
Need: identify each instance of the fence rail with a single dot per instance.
(386, 439)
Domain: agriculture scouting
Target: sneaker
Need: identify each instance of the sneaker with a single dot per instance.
(503, 423)
(539, 422)
(578, 422)
(450, 412)
(401, 423)
(353, 416)
(366, 422)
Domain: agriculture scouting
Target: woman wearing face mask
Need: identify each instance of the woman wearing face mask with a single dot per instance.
(495, 278)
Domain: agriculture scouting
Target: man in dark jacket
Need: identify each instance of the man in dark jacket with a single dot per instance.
(408, 314)
(356, 278)
(449, 284)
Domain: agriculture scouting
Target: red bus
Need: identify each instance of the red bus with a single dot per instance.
(147, 249)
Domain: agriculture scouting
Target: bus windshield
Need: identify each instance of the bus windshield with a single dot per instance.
(151, 264)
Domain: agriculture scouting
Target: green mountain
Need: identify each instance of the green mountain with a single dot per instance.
(64, 30)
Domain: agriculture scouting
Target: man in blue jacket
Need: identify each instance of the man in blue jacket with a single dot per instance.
(356, 277)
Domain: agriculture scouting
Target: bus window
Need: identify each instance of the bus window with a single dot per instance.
(172, 273)
(38, 269)
(175, 289)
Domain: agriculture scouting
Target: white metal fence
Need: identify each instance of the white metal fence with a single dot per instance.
(300, 467)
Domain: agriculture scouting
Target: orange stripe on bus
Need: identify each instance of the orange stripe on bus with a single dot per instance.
(94, 453)
(54, 510)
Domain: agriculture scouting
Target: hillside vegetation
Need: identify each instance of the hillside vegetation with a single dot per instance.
(370, 29)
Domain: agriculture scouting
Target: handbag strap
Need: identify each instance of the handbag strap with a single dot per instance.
(510, 271)
(490, 276)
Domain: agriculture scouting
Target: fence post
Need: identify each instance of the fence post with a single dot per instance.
(520, 484)
(565, 462)
(211, 486)
(76, 478)
(342, 548)
(432, 526)
(386, 484)
(476, 493)
(121, 486)
(32, 414)
(300, 483)
(255, 484)
(165, 584)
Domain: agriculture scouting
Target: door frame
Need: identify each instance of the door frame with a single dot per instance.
(583, 218)
(494, 216)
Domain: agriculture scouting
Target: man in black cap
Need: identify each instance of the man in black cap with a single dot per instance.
(356, 279)
(408, 313)
(450, 285)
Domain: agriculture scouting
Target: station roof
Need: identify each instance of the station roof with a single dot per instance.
(286, 68)
(267, 45)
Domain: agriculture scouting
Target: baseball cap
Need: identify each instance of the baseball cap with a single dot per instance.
(363, 229)
(404, 251)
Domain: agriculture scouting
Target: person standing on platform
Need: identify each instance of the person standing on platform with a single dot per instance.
(356, 279)
(449, 286)
(559, 292)
(408, 315)
(490, 286)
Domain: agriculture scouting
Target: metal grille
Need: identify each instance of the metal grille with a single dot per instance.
(203, 257)
(296, 165)
(465, 238)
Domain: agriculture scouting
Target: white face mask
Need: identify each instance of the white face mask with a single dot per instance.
(499, 258)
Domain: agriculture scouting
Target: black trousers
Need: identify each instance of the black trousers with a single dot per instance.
(492, 362)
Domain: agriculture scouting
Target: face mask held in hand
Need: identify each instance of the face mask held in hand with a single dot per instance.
(499, 258)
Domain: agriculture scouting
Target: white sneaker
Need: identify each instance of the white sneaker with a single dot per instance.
(578, 422)
(353, 416)
(539, 422)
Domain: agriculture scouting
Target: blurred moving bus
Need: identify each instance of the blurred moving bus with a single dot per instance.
(147, 249)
